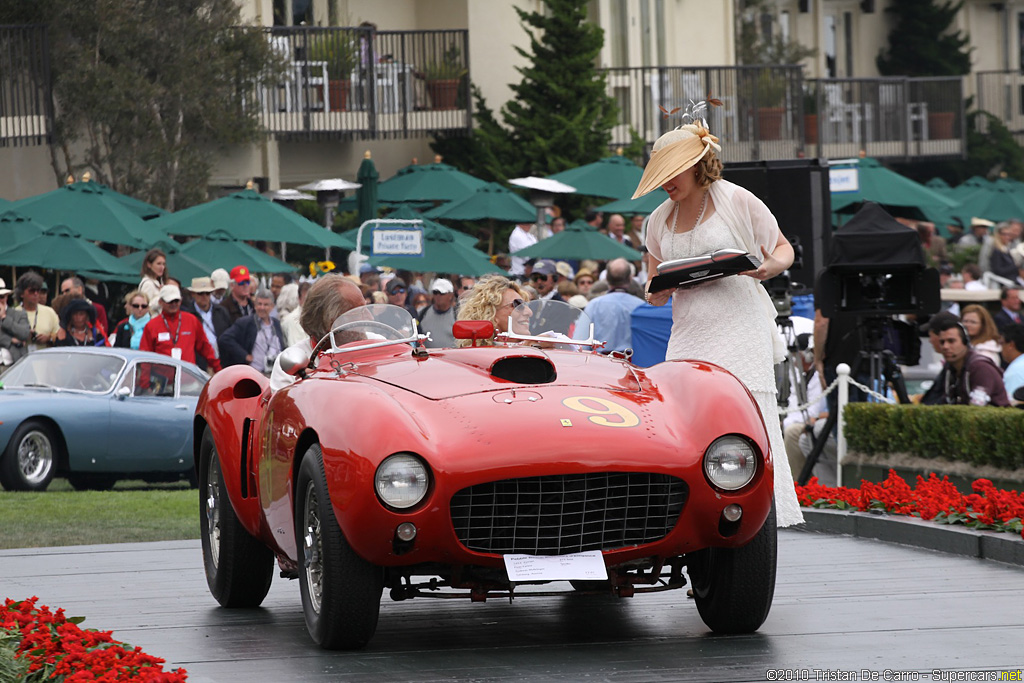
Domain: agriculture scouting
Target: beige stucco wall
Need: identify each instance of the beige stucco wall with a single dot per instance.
(27, 171)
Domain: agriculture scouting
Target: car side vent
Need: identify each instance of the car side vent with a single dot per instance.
(247, 388)
(527, 370)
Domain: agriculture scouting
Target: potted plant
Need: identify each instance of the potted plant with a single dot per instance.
(340, 54)
(764, 89)
(811, 116)
(443, 78)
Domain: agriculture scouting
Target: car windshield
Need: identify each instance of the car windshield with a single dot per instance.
(554, 320)
(72, 371)
(374, 325)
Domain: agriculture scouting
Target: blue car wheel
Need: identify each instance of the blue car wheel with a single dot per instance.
(30, 460)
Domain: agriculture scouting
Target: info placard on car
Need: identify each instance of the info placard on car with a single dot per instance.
(696, 269)
(574, 567)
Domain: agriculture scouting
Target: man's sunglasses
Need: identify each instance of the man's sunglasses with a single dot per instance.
(243, 282)
(398, 290)
(537, 277)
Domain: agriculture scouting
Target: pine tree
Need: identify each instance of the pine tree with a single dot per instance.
(921, 44)
(560, 116)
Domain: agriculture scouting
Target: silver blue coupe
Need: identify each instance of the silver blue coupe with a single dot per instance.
(96, 415)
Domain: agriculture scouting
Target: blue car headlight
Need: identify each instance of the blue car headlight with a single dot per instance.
(730, 463)
(402, 481)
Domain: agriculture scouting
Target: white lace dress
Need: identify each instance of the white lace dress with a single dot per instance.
(722, 322)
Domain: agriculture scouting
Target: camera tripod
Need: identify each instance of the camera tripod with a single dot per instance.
(882, 371)
(789, 374)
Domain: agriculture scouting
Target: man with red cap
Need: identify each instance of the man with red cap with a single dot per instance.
(177, 334)
(238, 302)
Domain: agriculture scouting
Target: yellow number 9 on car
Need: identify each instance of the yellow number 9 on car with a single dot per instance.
(605, 413)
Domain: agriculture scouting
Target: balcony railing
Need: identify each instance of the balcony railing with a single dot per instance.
(1001, 93)
(341, 83)
(26, 109)
(771, 112)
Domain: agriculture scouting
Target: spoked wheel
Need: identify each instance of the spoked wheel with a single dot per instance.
(340, 590)
(734, 587)
(30, 460)
(239, 568)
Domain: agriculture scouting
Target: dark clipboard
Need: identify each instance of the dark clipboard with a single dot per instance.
(691, 271)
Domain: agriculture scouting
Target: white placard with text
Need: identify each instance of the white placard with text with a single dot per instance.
(398, 242)
(588, 566)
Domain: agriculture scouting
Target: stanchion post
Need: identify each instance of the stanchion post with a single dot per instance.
(843, 370)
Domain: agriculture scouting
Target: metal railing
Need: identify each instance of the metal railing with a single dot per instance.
(26, 107)
(339, 83)
(1001, 94)
(771, 112)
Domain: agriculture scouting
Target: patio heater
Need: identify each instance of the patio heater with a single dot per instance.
(542, 195)
(328, 195)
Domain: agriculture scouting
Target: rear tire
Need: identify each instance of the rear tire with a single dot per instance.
(30, 460)
(734, 587)
(239, 568)
(341, 591)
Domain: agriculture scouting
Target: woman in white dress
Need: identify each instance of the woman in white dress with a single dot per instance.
(729, 321)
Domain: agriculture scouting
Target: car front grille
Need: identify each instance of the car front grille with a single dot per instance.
(562, 514)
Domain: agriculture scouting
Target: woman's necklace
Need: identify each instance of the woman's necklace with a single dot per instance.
(675, 224)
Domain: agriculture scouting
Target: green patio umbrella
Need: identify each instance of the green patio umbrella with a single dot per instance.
(1002, 201)
(406, 212)
(643, 205)
(430, 182)
(896, 193)
(366, 196)
(94, 212)
(61, 248)
(247, 215)
(968, 187)
(179, 266)
(221, 250)
(615, 177)
(939, 185)
(580, 241)
(16, 229)
(442, 254)
(489, 201)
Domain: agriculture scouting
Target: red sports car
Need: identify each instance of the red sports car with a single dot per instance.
(534, 459)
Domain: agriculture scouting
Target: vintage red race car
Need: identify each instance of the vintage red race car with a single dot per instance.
(482, 469)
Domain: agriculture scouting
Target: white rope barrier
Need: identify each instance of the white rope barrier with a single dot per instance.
(842, 384)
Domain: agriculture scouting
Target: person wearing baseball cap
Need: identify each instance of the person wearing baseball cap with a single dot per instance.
(177, 334)
(15, 331)
(438, 318)
(221, 282)
(238, 303)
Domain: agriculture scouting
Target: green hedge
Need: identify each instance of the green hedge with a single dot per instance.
(983, 436)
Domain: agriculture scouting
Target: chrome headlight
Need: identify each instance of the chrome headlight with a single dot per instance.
(402, 480)
(730, 463)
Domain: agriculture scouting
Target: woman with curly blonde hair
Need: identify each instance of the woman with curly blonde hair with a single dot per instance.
(492, 298)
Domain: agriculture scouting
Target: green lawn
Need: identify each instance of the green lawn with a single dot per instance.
(132, 512)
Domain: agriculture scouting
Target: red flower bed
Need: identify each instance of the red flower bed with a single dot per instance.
(56, 649)
(932, 498)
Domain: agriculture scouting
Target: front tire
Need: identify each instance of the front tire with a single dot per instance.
(734, 587)
(30, 460)
(239, 568)
(341, 591)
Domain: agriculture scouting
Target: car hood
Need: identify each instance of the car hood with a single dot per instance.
(456, 372)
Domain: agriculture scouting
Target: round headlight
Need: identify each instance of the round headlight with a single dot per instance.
(730, 463)
(402, 481)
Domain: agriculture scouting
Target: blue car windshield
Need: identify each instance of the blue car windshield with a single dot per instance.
(72, 371)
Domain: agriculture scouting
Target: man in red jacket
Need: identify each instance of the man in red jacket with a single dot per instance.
(177, 334)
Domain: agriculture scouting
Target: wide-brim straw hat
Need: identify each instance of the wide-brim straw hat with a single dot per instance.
(673, 153)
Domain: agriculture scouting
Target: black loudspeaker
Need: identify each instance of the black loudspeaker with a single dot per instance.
(867, 6)
(797, 192)
(804, 6)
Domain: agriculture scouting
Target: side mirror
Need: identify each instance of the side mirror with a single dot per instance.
(294, 361)
(473, 329)
(123, 393)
